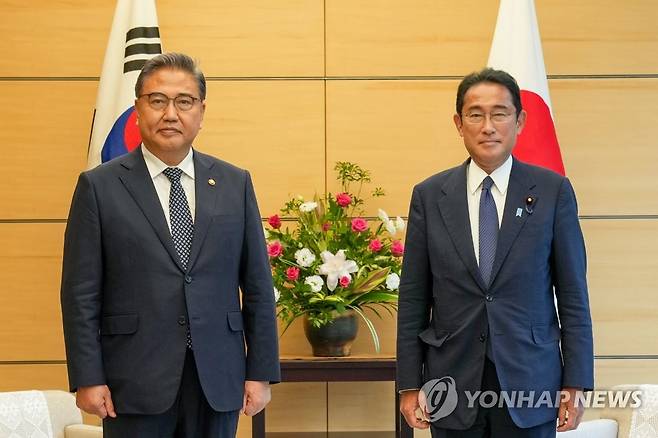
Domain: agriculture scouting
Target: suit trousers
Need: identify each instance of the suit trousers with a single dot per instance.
(496, 422)
(189, 417)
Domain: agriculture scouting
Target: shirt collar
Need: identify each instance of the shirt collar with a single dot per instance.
(155, 165)
(500, 176)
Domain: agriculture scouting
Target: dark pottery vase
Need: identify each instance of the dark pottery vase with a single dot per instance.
(335, 338)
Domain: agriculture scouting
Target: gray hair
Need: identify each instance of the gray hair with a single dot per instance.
(176, 61)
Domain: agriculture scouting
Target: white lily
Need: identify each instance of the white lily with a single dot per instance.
(382, 215)
(277, 295)
(399, 223)
(336, 266)
(390, 227)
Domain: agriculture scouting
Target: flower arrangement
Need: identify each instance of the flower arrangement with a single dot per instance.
(334, 260)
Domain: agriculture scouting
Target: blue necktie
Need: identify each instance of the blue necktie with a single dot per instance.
(182, 227)
(488, 230)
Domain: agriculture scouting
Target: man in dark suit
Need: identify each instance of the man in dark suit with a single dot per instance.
(159, 341)
(493, 295)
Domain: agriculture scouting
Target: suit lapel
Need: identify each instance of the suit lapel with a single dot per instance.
(453, 207)
(520, 186)
(206, 197)
(139, 184)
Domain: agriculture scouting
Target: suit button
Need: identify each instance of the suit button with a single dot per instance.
(188, 279)
(489, 298)
(181, 320)
(483, 337)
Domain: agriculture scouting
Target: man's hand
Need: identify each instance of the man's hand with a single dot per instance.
(256, 396)
(571, 412)
(95, 400)
(408, 406)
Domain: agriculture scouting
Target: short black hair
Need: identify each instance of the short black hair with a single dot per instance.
(489, 75)
(176, 61)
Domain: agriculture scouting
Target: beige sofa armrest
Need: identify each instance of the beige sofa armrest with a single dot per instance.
(83, 431)
(62, 410)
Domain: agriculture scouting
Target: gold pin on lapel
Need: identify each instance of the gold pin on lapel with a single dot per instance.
(211, 182)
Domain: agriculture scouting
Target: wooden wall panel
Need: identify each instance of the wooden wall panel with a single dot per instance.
(402, 131)
(30, 272)
(424, 37)
(611, 372)
(46, 147)
(247, 38)
(606, 132)
(273, 129)
(297, 407)
(361, 406)
(407, 38)
(598, 36)
(231, 38)
(33, 376)
(54, 38)
(622, 285)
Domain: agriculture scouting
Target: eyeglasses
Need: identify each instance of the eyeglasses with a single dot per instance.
(477, 118)
(159, 101)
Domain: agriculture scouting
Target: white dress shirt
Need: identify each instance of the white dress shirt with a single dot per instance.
(474, 177)
(162, 184)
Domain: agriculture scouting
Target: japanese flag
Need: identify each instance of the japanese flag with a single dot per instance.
(516, 49)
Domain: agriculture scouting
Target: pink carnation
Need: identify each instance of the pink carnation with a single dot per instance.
(359, 225)
(375, 245)
(326, 226)
(345, 281)
(397, 248)
(275, 249)
(343, 199)
(274, 221)
(292, 273)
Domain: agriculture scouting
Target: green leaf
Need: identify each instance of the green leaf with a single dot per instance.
(375, 297)
(372, 280)
(371, 327)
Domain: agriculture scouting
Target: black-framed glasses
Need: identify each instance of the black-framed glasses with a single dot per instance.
(160, 101)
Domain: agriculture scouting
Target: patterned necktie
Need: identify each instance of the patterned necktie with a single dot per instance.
(182, 227)
(488, 230)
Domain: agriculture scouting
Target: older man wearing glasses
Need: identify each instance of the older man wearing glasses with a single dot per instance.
(159, 243)
(491, 246)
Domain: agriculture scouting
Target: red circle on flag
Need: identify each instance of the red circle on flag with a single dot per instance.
(537, 144)
(131, 136)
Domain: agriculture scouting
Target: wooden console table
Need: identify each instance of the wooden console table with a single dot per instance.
(350, 369)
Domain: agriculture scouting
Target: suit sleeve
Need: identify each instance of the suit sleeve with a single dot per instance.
(258, 306)
(570, 266)
(415, 298)
(81, 291)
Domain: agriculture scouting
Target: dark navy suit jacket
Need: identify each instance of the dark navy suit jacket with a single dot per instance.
(126, 300)
(447, 313)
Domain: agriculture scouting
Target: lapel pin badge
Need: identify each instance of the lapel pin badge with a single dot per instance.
(519, 212)
(211, 182)
(529, 204)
